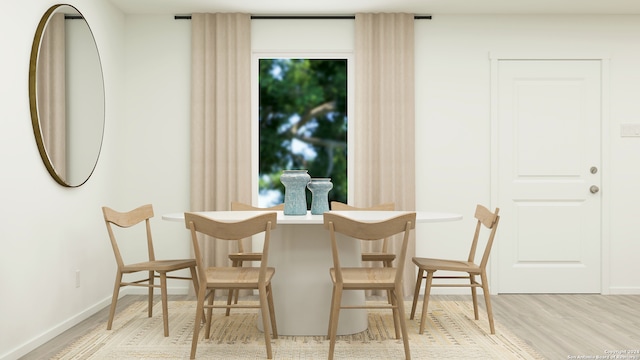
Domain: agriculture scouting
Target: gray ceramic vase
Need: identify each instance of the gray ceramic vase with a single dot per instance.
(320, 188)
(295, 196)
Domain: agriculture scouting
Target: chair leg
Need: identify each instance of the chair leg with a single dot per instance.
(114, 299)
(487, 300)
(196, 286)
(393, 298)
(209, 315)
(194, 278)
(229, 298)
(388, 264)
(336, 301)
(389, 297)
(165, 307)
(232, 293)
(236, 295)
(416, 293)
(333, 297)
(262, 292)
(474, 295)
(425, 301)
(151, 283)
(272, 312)
(196, 324)
(403, 324)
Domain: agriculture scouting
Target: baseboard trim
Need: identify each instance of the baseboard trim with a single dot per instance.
(56, 330)
(43, 338)
(624, 290)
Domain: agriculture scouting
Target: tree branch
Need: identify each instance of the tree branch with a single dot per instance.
(315, 112)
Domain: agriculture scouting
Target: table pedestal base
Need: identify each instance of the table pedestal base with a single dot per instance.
(301, 255)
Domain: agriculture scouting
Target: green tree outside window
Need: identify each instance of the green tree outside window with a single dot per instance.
(302, 124)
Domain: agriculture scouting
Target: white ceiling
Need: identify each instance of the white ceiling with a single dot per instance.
(350, 7)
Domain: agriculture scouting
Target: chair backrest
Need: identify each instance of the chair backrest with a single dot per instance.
(125, 220)
(238, 206)
(370, 230)
(490, 221)
(230, 230)
(336, 205)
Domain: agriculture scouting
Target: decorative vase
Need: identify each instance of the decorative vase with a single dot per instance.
(295, 196)
(320, 188)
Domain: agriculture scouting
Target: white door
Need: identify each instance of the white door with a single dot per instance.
(549, 159)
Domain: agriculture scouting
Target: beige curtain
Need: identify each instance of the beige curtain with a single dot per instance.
(51, 93)
(220, 118)
(385, 118)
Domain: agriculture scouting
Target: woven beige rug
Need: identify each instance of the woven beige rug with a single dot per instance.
(450, 334)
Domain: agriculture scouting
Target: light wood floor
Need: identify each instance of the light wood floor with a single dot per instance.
(557, 326)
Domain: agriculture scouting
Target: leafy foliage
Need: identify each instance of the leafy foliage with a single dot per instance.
(303, 123)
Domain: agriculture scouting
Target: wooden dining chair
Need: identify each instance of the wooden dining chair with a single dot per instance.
(233, 278)
(154, 268)
(367, 278)
(383, 256)
(486, 219)
(242, 256)
(238, 258)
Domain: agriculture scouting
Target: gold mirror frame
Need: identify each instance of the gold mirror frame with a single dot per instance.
(82, 100)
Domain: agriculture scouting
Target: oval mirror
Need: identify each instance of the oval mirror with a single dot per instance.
(66, 95)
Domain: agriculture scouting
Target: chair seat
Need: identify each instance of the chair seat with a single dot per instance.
(428, 264)
(356, 278)
(245, 256)
(378, 257)
(236, 277)
(159, 265)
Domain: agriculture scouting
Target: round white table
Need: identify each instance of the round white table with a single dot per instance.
(300, 251)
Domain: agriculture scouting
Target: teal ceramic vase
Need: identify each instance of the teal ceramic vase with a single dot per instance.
(295, 187)
(320, 188)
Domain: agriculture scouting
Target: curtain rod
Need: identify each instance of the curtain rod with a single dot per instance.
(303, 17)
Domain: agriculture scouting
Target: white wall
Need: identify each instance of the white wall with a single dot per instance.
(453, 118)
(47, 232)
(153, 141)
(453, 109)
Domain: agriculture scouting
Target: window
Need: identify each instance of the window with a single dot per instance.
(302, 121)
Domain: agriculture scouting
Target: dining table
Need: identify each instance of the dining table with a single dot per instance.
(300, 251)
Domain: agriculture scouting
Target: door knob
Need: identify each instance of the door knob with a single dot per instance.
(594, 189)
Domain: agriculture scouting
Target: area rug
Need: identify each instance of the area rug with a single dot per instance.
(451, 333)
